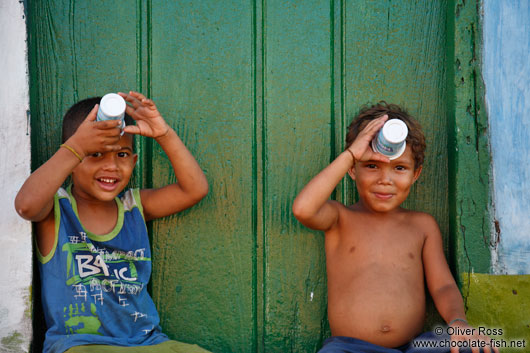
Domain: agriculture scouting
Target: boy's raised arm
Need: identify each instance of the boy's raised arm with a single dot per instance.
(34, 200)
(312, 207)
(191, 185)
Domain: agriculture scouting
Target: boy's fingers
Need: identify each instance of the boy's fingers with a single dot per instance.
(130, 111)
(379, 122)
(132, 129)
(148, 102)
(108, 124)
(93, 113)
(373, 126)
(112, 148)
(131, 99)
(381, 158)
(137, 95)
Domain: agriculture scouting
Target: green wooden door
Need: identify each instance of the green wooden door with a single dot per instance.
(261, 93)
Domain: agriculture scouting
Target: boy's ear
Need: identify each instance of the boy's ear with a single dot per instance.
(135, 159)
(417, 173)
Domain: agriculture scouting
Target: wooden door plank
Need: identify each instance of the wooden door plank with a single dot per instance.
(298, 127)
(395, 51)
(204, 258)
(76, 51)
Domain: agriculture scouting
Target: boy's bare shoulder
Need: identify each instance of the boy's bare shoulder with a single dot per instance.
(424, 221)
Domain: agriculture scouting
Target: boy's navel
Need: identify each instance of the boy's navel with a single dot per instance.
(385, 328)
(352, 249)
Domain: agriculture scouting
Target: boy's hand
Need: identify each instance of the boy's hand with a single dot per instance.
(466, 333)
(95, 136)
(361, 148)
(149, 122)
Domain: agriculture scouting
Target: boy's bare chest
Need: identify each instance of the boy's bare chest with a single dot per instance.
(383, 242)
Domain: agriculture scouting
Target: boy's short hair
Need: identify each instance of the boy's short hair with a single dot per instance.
(78, 113)
(415, 137)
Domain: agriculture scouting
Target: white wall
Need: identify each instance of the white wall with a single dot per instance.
(506, 71)
(15, 240)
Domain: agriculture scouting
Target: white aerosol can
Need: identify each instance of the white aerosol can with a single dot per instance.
(390, 140)
(112, 107)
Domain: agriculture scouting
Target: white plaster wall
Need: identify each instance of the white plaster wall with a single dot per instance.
(506, 71)
(15, 239)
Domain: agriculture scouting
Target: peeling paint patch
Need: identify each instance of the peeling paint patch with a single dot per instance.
(12, 343)
(15, 166)
(29, 303)
(501, 302)
(506, 74)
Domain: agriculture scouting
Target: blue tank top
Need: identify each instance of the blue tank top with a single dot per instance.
(94, 287)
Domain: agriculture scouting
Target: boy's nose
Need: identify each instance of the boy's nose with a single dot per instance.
(385, 177)
(110, 162)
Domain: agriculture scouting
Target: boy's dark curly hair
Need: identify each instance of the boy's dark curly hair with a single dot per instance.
(78, 113)
(415, 138)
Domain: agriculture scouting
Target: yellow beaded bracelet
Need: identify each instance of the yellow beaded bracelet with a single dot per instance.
(73, 151)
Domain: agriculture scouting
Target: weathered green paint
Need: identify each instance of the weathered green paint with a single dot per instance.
(402, 50)
(202, 78)
(261, 92)
(297, 142)
(28, 298)
(500, 301)
(468, 148)
(13, 343)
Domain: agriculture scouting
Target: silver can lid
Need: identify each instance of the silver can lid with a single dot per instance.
(395, 131)
(112, 105)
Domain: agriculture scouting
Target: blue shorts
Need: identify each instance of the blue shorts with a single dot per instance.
(430, 343)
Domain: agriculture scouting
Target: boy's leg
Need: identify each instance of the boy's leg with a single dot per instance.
(166, 347)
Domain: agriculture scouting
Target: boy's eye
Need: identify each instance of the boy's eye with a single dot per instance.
(123, 154)
(97, 154)
(371, 166)
(401, 167)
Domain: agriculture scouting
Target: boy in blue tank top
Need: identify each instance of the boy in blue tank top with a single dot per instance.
(92, 242)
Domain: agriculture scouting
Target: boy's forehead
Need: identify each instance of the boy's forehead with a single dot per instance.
(407, 156)
(126, 140)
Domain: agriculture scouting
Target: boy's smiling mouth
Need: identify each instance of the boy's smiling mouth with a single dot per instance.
(107, 180)
(383, 196)
(108, 183)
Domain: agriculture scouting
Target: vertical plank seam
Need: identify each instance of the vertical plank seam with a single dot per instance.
(346, 190)
(333, 135)
(263, 167)
(255, 245)
(260, 158)
(71, 19)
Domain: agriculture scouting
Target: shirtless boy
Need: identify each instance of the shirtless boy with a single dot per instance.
(379, 256)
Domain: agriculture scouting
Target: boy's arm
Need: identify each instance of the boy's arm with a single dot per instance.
(443, 288)
(34, 201)
(191, 185)
(312, 207)
(440, 281)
